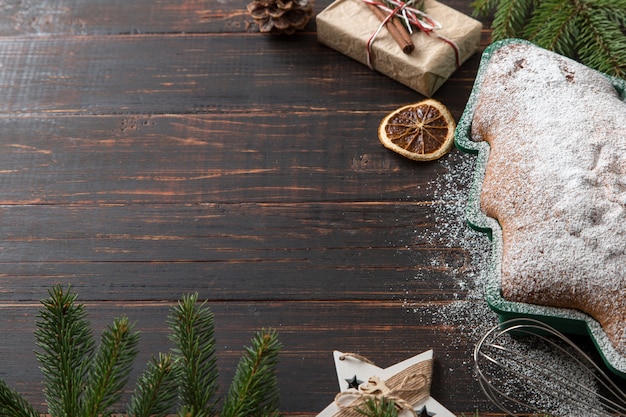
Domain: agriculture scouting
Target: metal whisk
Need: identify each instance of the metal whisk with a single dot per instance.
(543, 372)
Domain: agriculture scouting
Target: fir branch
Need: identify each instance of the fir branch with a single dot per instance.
(615, 11)
(483, 7)
(64, 336)
(111, 367)
(373, 407)
(12, 404)
(156, 390)
(510, 18)
(590, 31)
(192, 331)
(554, 26)
(254, 390)
(602, 40)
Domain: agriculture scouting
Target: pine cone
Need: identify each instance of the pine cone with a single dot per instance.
(281, 16)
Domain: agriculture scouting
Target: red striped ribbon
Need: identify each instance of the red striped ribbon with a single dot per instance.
(415, 18)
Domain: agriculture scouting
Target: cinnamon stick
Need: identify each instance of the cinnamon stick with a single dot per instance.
(396, 29)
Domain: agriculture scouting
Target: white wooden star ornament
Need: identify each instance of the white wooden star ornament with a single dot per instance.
(406, 383)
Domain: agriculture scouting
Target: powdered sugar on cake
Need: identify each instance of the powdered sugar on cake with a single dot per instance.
(556, 182)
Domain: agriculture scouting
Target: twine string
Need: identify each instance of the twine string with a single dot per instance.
(355, 356)
(357, 398)
(405, 389)
(413, 18)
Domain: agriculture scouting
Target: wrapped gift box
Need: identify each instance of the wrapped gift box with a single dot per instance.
(348, 25)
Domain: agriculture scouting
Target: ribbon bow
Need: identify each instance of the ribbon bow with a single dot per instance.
(413, 18)
(405, 389)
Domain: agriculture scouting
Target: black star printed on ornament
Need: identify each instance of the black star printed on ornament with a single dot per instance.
(425, 413)
(353, 382)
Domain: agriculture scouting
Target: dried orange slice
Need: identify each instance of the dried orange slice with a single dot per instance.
(422, 131)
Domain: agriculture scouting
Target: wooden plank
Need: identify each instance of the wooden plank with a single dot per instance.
(44, 17)
(96, 17)
(198, 159)
(232, 251)
(309, 331)
(182, 74)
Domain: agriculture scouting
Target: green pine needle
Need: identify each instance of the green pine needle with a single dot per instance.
(592, 32)
(192, 331)
(603, 40)
(64, 336)
(373, 407)
(484, 7)
(554, 27)
(156, 390)
(111, 367)
(254, 389)
(510, 17)
(12, 404)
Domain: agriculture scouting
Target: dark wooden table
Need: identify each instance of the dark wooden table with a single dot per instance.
(152, 148)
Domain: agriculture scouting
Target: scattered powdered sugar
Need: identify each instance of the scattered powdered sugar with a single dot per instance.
(535, 371)
(469, 312)
(450, 229)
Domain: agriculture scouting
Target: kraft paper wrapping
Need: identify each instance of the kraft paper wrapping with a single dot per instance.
(347, 25)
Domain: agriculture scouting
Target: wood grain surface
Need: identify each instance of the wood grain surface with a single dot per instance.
(150, 148)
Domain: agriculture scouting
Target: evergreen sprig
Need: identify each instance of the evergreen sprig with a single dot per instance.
(192, 331)
(12, 404)
(254, 390)
(64, 336)
(111, 367)
(156, 390)
(592, 32)
(378, 407)
(82, 381)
